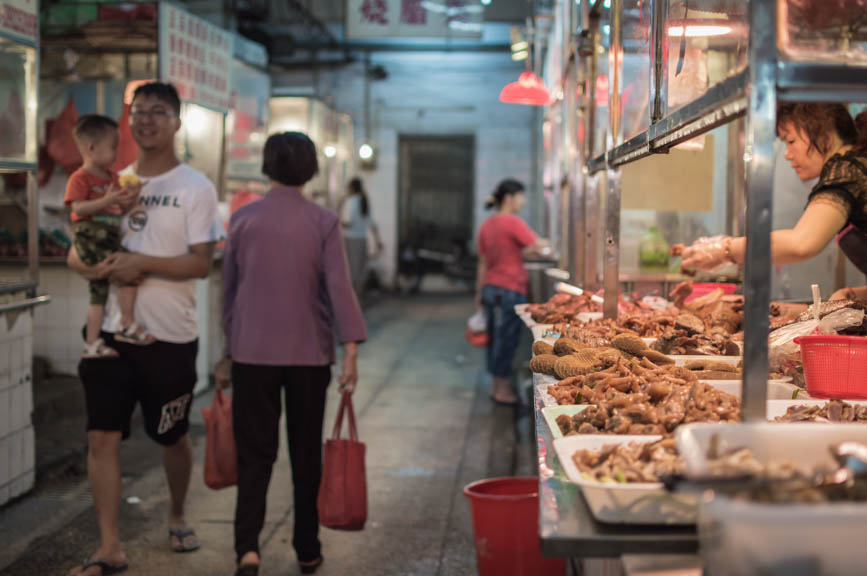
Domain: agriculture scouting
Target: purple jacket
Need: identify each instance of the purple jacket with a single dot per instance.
(285, 281)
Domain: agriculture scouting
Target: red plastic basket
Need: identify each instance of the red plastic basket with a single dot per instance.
(700, 289)
(835, 366)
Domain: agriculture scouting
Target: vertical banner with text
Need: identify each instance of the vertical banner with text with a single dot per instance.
(196, 57)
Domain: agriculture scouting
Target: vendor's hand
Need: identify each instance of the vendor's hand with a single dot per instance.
(857, 294)
(223, 373)
(126, 268)
(349, 377)
(705, 254)
(95, 272)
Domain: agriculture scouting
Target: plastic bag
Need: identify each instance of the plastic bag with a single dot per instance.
(477, 322)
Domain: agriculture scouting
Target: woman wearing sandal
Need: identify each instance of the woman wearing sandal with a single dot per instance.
(285, 283)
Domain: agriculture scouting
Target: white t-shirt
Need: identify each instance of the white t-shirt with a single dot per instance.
(176, 210)
(355, 223)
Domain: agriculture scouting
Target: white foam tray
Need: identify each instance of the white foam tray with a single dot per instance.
(635, 503)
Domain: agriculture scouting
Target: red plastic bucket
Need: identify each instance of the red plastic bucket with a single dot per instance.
(835, 366)
(506, 527)
(700, 289)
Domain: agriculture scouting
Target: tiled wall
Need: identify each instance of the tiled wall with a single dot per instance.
(57, 325)
(17, 447)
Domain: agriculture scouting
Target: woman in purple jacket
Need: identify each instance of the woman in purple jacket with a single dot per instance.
(285, 284)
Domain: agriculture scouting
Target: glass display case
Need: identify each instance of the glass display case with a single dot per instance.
(19, 241)
(201, 128)
(635, 68)
(706, 43)
(827, 30)
(247, 124)
(602, 79)
(17, 102)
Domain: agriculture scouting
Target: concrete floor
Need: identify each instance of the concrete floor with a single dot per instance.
(429, 428)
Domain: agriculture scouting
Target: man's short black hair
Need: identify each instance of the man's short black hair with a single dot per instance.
(290, 158)
(161, 91)
(91, 127)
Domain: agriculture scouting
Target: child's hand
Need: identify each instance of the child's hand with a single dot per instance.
(114, 193)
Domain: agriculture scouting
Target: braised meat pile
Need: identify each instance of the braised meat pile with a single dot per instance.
(639, 397)
(561, 308)
(832, 411)
(633, 462)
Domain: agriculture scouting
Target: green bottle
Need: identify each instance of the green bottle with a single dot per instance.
(653, 252)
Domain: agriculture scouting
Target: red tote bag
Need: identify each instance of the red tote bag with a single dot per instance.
(342, 499)
(221, 463)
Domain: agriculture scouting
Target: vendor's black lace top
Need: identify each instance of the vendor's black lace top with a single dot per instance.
(843, 182)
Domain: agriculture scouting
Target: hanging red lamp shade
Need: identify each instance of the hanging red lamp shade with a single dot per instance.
(527, 90)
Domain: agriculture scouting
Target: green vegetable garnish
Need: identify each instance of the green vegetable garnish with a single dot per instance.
(578, 398)
(621, 477)
(795, 394)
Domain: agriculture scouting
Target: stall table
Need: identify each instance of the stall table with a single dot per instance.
(567, 527)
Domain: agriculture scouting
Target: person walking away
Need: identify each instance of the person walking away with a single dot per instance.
(94, 195)
(501, 281)
(170, 237)
(285, 285)
(354, 209)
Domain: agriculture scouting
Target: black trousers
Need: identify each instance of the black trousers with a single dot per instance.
(256, 417)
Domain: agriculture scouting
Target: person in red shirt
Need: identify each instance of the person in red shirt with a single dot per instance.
(501, 283)
(95, 197)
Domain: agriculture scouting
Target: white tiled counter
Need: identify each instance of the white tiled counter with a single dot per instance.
(17, 445)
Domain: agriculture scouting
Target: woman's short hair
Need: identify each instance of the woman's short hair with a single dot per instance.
(819, 121)
(290, 158)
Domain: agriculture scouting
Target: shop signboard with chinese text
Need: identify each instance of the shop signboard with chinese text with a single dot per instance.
(19, 19)
(196, 57)
(414, 18)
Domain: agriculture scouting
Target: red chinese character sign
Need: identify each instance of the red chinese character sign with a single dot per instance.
(196, 57)
(414, 18)
(19, 19)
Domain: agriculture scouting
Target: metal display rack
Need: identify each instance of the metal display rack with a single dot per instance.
(771, 75)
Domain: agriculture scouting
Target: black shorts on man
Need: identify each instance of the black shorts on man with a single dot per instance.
(161, 377)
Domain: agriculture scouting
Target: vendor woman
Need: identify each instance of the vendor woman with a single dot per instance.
(824, 142)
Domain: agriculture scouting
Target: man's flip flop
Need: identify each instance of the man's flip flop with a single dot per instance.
(104, 567)
(181, 534)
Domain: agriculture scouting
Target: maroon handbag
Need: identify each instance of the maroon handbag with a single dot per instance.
(342, 498)
(221, 462)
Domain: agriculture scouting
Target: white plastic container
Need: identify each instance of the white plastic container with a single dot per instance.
(684, 359)
(803, 443)
(777, 389)
(551, 413)
(777, 408)
(540, 330)
(739, 537)
(634, 503)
